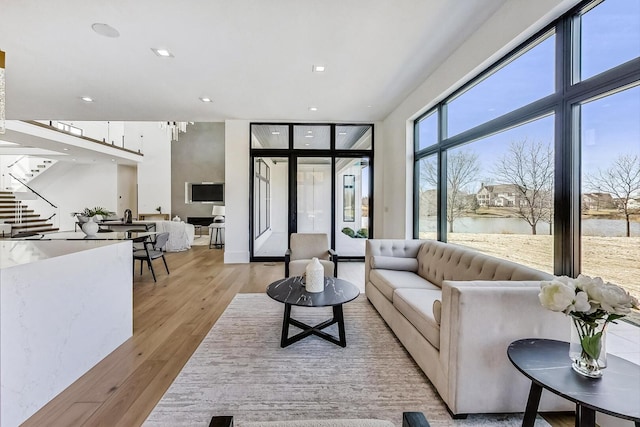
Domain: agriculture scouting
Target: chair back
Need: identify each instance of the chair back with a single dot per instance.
(161, 240)
(309, 245)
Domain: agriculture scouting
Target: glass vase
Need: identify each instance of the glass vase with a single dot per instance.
(588, 349)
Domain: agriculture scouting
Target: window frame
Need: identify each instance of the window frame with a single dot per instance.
(568, 94)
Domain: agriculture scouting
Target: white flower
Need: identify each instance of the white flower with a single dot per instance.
(583, 280)
(557, 294)
(580, 303)
(612, 298)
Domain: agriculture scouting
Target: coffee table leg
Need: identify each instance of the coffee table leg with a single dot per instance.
(338, 316)
(585, 417)
(285, 325)
(532, 405)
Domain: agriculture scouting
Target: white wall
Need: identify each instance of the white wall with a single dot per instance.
(72, 187)
(154, 172)
(510, 25)
(236, 196)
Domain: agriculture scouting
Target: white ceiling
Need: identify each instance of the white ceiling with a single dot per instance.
(252, 57)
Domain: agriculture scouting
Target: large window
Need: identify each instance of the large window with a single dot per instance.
(610, 196)
(500, 194)
(525, 78)
(609, 35)
(427, 197)
(533, 163)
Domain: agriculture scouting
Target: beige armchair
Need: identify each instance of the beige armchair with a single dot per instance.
(303, 247)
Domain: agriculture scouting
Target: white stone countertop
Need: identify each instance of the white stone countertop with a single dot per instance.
(20, 252)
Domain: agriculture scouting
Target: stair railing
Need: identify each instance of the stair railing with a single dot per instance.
(49, 210)
(32, 190)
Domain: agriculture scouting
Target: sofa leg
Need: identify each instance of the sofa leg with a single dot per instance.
(456, 416)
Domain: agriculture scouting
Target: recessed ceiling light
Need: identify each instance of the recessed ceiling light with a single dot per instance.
(87, 99)
(205, 99)
(318, 68)
(162, 52)
(307, 144)
(105, 30)
(313, 108)
(275, 132)
(113, 160)
(309, 131)
(308, 136)
(342, 133)
(65, 149)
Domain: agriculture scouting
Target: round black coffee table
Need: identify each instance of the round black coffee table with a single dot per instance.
(546, 363)
(290, 291)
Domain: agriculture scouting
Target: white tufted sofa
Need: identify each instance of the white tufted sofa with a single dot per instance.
(456, 311)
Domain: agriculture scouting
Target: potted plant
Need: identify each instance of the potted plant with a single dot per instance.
(88, 213)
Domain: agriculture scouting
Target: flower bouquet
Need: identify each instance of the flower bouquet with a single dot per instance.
(592, 305)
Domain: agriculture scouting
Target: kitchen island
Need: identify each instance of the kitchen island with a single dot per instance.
(64, 306)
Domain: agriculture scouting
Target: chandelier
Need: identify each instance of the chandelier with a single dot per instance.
(174, 128)
(2, 93)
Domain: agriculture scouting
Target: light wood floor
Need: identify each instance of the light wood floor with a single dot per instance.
(171, 317)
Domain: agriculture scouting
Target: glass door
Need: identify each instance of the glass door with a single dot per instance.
(313, 193)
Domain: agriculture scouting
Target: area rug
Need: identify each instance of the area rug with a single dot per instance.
(239, 369)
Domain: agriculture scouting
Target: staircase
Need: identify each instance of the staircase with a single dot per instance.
(23, 170)
(21, 218)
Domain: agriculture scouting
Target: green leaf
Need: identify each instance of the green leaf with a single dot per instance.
(591, 345)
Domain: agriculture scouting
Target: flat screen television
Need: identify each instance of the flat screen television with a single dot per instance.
(207, 192)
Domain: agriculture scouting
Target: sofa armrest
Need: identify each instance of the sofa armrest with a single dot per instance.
(479, 321)
(287, 260)
(333, 256)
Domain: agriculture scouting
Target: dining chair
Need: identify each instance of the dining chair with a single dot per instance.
(151, 251)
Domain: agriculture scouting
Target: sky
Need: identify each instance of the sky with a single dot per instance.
(610, 126)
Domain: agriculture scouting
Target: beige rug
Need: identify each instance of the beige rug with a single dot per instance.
(239, 369)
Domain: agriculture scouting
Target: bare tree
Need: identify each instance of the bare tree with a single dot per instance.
(621, 180)
(462, 169)
(528, 166)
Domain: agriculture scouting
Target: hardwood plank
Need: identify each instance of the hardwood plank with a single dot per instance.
(76, 415)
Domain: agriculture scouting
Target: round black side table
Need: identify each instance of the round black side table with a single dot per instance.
(546, 363)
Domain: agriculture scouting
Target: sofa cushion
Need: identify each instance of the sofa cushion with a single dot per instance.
(394, 263)
(387, 281)
(417, 306)
(438, 261)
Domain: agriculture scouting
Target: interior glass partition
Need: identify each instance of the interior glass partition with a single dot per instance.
(270, 205)
(311, 178)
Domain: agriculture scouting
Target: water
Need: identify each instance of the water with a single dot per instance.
(590, 227)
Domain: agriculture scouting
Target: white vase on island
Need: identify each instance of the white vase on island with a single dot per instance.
(90, 228)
